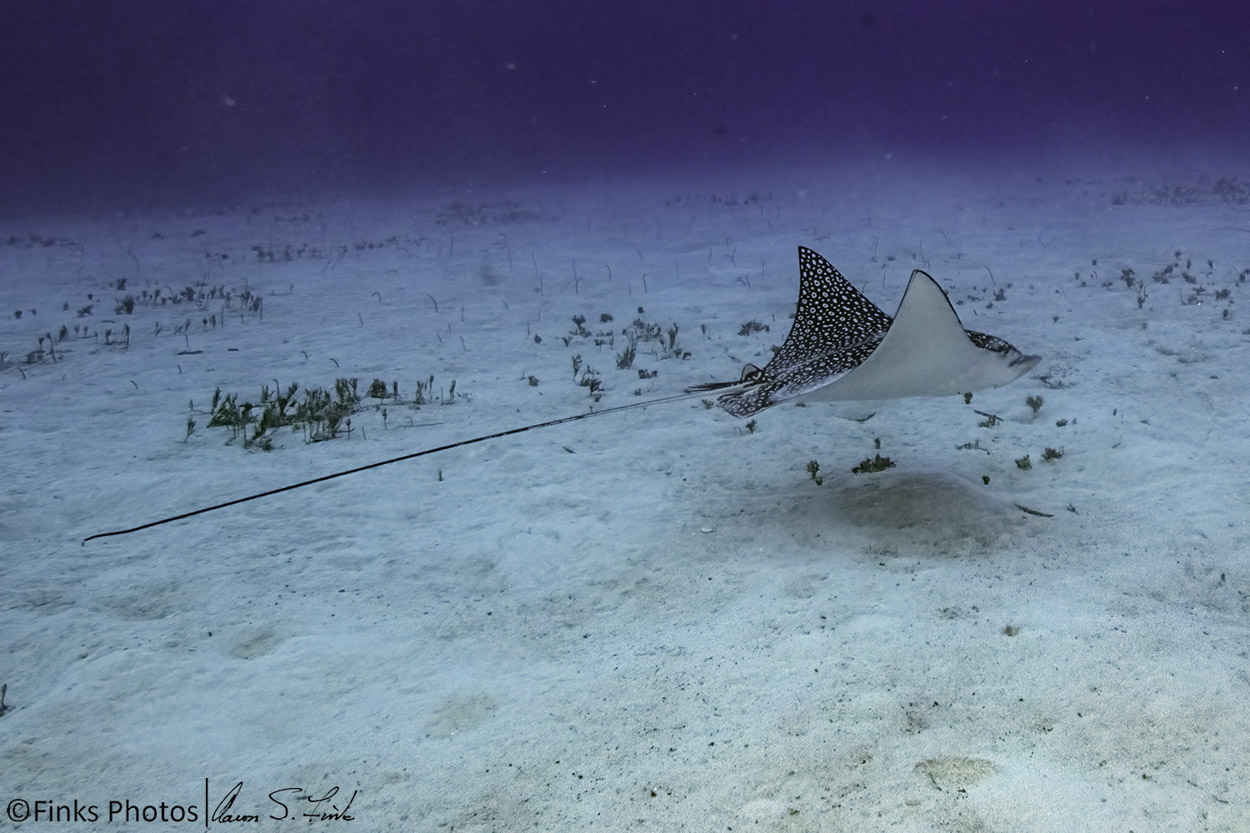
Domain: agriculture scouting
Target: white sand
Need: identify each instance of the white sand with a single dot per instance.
(672, 627)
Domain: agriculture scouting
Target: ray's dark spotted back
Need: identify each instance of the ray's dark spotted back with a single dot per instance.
(832, 315)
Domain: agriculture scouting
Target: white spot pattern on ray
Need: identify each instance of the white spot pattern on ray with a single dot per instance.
(831, 314)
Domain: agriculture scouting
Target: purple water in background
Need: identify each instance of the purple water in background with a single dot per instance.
(155, 102)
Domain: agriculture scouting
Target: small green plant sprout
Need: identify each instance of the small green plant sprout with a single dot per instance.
(577, 365)
(750, 426)
(1024, 463)
(377, 389)
(813, 468)
(333, 415)
(532, 380)
(1051, 454)
(345, 391)
(123, 341)
(647, 374)
(1034, 402)
(990, 420)
(625, 358)
(1059, 423)
(275, 414)
(708, 404)
(750, 327)
(424, 390)
(591, 381)
(872, 465)
(605, 318)
(190, 429)
(985, 478)
(1129, 277)
(318, 415)
(642, 330)
(579, 322)
(967, 398)
(226, 411)
(670, 346)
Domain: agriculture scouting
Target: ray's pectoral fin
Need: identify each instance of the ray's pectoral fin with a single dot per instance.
(927, 352)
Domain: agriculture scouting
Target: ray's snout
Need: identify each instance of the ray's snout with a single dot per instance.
(1024, 363)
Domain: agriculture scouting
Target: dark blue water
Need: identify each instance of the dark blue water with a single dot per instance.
(134, 103)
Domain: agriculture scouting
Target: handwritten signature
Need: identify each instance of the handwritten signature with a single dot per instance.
(301, 805)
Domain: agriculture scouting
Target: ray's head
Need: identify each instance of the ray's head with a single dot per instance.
(1013, 363)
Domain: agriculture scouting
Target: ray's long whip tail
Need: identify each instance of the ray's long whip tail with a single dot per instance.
(690, 393)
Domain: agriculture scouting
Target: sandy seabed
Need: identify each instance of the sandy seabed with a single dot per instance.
(655, 619)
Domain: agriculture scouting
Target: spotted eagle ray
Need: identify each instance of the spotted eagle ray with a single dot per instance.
(841, 347)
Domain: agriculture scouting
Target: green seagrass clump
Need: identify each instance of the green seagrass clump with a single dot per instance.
(872, 465)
